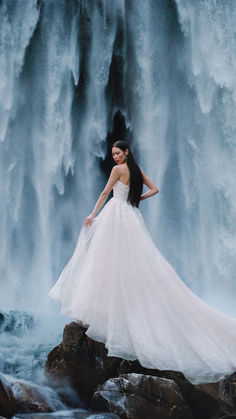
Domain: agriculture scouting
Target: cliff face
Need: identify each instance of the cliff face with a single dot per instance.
(127, 389)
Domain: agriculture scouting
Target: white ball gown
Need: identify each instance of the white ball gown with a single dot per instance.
(132, 300)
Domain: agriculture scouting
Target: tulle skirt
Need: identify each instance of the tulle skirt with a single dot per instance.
(119, 284)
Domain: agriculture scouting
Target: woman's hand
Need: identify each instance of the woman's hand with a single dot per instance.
(88, 220)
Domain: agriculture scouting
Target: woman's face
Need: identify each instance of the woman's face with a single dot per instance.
(119, 155)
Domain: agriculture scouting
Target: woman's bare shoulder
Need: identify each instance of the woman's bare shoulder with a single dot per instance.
(122, 168)
(123, 173)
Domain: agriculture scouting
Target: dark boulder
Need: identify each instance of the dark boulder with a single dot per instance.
(139, 396)
(227, 394)
(33, 398)
(82, 361)
(202, 403)
(8, 406)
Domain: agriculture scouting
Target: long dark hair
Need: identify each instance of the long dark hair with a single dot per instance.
(136, 177)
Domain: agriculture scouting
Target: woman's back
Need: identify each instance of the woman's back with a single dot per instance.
(124, 174)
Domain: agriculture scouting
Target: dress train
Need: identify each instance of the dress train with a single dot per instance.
(119, 284)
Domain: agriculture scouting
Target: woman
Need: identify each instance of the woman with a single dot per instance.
(128, 173)
(119, 285)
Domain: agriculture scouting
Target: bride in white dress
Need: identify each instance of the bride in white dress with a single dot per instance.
(119, 285)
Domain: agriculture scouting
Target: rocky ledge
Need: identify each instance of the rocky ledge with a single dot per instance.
(127, 389)
(21, 396)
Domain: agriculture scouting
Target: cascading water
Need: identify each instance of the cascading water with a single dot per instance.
(207, 149)
(183, 121)
(67, 69)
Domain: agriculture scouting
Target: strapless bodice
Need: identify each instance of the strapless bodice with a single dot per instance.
(120, 190)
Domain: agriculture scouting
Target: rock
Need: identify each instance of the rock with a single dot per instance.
(139, 396)
(67, 395)
(202, 403)
(209, 388)
(33, 398)
(8, 406)
(84, 362)
(227, 394)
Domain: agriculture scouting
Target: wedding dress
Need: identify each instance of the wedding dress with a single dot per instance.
(133, 301)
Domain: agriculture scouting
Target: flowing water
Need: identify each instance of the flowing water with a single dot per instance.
(76, 74)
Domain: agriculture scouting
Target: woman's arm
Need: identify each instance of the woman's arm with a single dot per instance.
(114, 176)
(153, 190)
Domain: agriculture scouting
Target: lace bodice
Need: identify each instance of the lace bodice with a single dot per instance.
(120, 190)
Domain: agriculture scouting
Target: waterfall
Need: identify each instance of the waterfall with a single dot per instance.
(68, 70)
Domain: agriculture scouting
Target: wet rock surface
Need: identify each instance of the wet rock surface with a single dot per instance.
(227, 394)
(8, 405)
(32, 398)
(138, 396)
(82, 361)
(24, 397)
(103, 382)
